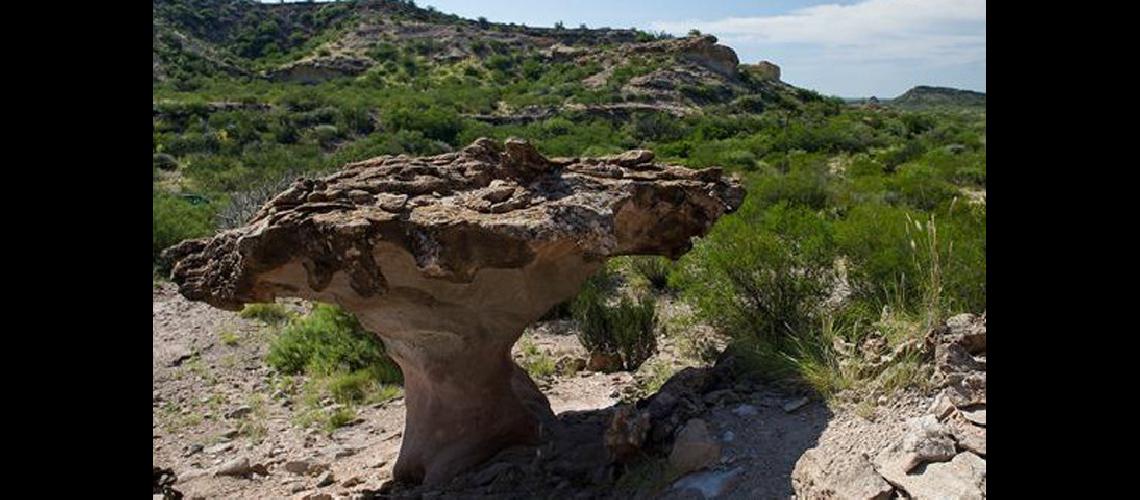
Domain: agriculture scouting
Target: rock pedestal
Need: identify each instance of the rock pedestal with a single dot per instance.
(448, 258)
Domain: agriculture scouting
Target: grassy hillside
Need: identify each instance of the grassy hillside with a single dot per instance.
(887, 202)
(930, 97)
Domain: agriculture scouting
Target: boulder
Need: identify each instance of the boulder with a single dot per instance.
(694, 448)
(626, 433)
(448, 258)
(236, 467)
(963, 477)
(827, 473)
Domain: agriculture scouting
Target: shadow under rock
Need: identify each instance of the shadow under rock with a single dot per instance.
(760, 441)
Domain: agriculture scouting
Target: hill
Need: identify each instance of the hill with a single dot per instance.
(392, 42)
(924, 96)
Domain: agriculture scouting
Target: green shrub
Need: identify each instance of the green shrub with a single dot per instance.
(762, 273)
(174, 219)
(329, 340)
(627, 329)
(164, 161)
(653, 269)
(383, 52)
(267, 313)
(360, 386)
(325, 134)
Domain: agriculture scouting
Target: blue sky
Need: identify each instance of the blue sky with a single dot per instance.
(839, 47)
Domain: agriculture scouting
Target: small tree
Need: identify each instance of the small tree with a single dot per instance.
(694, 32)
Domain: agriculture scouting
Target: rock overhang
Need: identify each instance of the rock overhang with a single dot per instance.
(490, 205)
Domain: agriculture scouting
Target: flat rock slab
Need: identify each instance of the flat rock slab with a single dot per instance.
(825, 473)
(963, 477)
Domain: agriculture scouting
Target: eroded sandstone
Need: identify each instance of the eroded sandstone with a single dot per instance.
(448, 258)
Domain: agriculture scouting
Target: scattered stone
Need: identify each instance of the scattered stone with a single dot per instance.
(728, 436)
(489, 474)
(626, 433)
(969, 436)
(826, 473)
(178, 354)
(300, 467)
(219, 448)
(239, 412)
(796, 404)
(605, 363)
(340, 451)
(192, 449)
(260, 469)
(978, 417)
(318, 496)
(325, 479)
(230, 433)
(189, 475)
(720, 397)
(570, 365)
(712, 483)
(352, 481)
(236, 467)
(745, 410)
(694, 448)
(662, 404)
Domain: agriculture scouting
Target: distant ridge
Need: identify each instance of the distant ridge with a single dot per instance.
(926, 96)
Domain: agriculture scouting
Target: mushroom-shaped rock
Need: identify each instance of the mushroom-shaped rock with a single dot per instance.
(447, 259)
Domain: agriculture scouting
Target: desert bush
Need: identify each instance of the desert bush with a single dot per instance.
(243, 205)
(627, 329)
(325, 134)
(653, 269)
(164, 161)
(383, 52)
(267, 313)
(360, 386)
(173, 219)
(763, 273)
(329, 340)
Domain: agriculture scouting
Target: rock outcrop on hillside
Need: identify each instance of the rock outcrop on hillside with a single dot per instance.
(940, 454)
(448, 258)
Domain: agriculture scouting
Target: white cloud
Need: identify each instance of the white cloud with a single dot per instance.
(930, 32)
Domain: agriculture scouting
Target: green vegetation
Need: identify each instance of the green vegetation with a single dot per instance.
(537, 364)
(270, 314)
(627, 329)
(328, 341)
(343, 363)
(875, 198)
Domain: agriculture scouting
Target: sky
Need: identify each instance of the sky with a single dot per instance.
(848, 48)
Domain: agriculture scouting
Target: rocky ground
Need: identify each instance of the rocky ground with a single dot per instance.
(225, 428)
